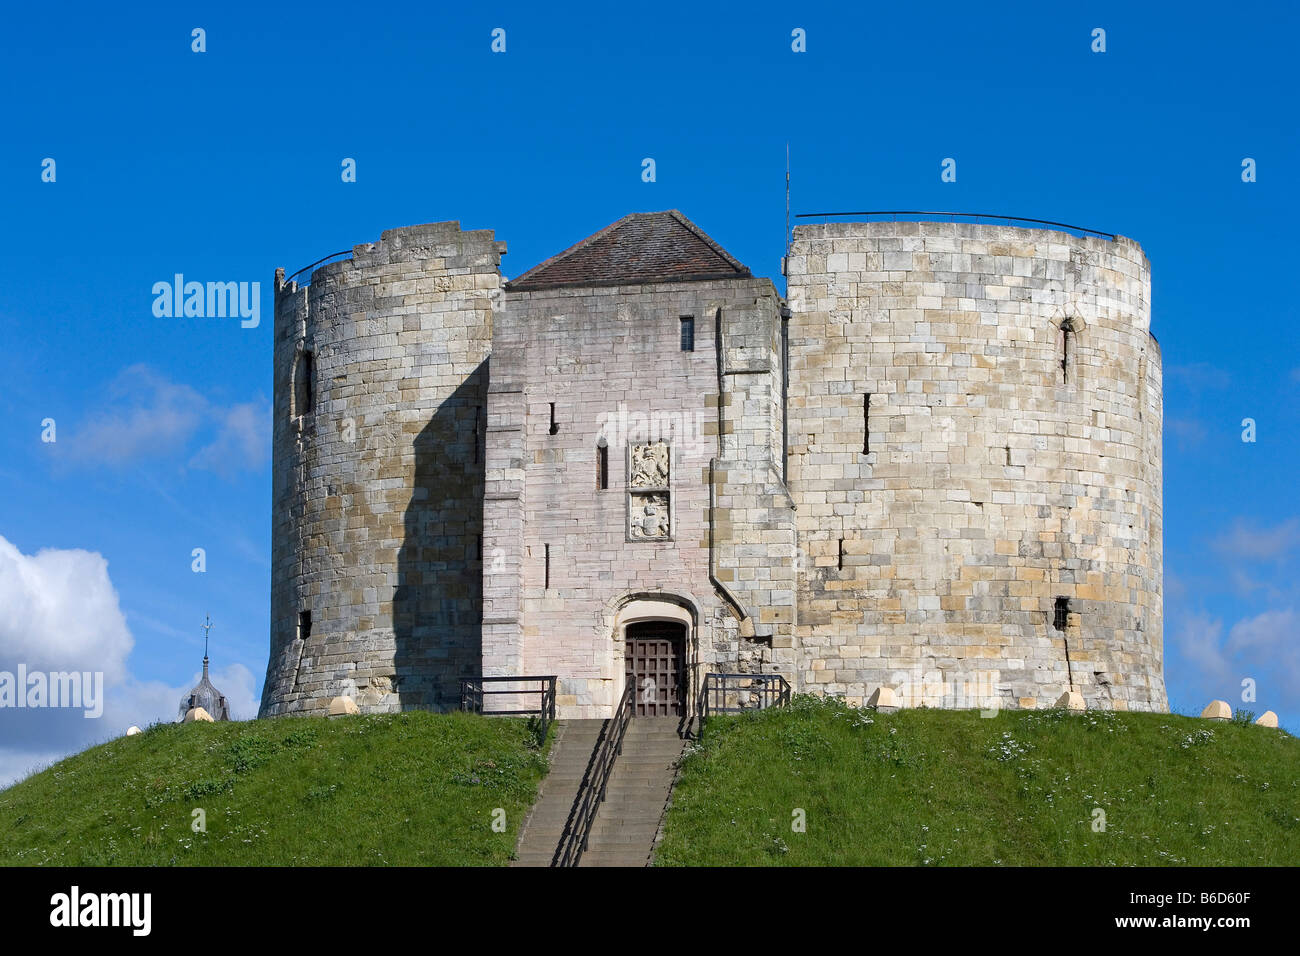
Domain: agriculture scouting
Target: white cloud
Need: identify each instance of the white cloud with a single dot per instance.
(1186, 431)
(1260, 544)
(147, 416)
(1264, 648)
(1199, 375)
(243, 439)
(1200, 642)
(61, 613)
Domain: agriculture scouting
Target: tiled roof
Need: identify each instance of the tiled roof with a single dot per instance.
(643, 247)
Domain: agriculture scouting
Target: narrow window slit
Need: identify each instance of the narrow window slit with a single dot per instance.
(1061, 613)
(602, 467)
(547, 584)
(840, 560)
(1067, 328)
(478, 415)
(305, 385)
(554, 425)
(866, 423)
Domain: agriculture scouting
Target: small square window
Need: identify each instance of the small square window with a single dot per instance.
(688, 333)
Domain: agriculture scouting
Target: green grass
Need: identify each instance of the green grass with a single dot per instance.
(930, 787)
(409, 789)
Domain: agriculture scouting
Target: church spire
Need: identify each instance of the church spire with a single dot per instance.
(204, 694)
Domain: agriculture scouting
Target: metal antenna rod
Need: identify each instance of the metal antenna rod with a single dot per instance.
(207, 626)
(787, 198)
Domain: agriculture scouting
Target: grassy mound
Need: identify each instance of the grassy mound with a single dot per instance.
(409, 789)
(930, 787)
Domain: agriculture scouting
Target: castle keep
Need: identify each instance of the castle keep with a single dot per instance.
(934, 467)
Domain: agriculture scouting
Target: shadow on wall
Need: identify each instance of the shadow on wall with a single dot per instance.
(438, 604)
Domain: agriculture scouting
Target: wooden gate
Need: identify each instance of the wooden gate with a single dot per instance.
(655, 666)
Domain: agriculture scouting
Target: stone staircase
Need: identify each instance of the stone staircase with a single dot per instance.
(575, 740)
(627, 823)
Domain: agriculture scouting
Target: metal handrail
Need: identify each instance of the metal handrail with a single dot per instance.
(591, 792)
(773, 691)
(312, 268)
(956, 215)
(472, 694)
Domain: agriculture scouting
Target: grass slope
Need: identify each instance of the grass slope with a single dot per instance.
(409, 789)
(930, 787)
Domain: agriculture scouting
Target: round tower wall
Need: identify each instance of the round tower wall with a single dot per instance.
(975, 455)
(380, 382)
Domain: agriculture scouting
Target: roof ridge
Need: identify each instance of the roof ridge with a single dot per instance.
(707, 240)
(664, 261)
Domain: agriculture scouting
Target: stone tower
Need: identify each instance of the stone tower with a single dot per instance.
(380, 380)
(975, 457)
(936, 468)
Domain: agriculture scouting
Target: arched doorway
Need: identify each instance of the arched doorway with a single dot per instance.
(654, 659)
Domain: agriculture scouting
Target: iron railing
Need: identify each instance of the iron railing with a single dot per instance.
(474, 692)
(591, 792)
(956, 215)
(303, 275)
(738, 693)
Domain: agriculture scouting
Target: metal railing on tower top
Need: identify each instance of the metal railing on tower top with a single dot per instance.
(303, 275)
(893, 215)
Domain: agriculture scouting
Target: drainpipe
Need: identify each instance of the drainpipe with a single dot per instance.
(737, 608)
(785, 393)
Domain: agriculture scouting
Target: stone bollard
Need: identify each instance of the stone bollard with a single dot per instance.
(1070, 700)
(1267, 719)
(343, 706)
(883, 699)
(1217, 710)
(197, 713)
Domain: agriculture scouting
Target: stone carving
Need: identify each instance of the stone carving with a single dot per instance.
(649, 465)
(649, 516)
(648, 507)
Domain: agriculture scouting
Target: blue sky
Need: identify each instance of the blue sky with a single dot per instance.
(224, 165)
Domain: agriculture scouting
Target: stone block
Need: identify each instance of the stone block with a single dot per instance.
(1217, 710)
(1070, 700)
(343, 706)
(883, 699)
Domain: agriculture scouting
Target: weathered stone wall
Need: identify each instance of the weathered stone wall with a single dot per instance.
(414, 505)
(610, 360)
(378, 492)
(995, 482)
